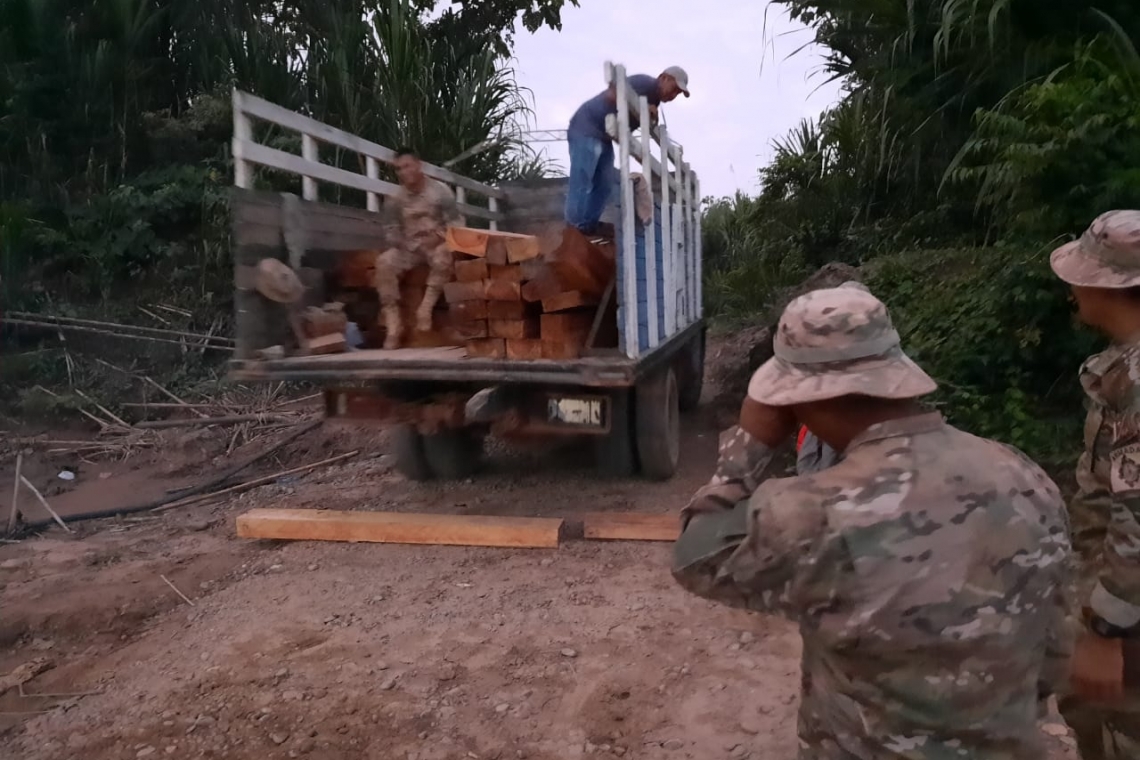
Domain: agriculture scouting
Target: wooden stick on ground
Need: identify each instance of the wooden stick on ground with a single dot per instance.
(255, 483)
(151, 382)
(175, 590)
(232, 420)
(35, 491)
(15, 495)
(110, 415)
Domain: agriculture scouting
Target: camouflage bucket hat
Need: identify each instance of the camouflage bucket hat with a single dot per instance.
(837, 342)
(1107, 255)
(278, 282)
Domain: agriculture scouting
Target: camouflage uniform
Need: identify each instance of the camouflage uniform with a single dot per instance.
(1105, 514)
(414, 225)
(926, 569)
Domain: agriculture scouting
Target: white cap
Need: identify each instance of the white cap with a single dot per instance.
(682, 78)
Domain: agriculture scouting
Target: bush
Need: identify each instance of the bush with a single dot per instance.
(995, 328)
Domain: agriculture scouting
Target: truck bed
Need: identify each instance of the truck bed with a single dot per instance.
(452, 364)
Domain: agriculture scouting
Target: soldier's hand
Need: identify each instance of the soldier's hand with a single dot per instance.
(771, 425)
(1097, 668)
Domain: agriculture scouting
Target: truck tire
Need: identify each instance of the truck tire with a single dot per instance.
(453, 454)
(658, 416)
(691, 372)
(614, 453)
(408, 448)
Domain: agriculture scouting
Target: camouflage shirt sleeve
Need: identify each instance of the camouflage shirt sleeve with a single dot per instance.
(448, 206)
(1116, 597)
(741, 463)
(762, 555)
(391, 217)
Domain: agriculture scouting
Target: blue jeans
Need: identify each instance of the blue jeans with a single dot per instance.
(592, 177)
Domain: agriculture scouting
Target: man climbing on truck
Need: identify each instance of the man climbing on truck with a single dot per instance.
(415, 225)
(592, 172)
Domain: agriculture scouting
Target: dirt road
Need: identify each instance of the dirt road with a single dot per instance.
(370, 651)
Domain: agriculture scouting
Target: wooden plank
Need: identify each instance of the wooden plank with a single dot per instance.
(459, 332)
(263, 109)
(496, 290)
(456, 292)
(505, 309)
(470, 311)
(559, 349)
(522, 249)
(472, 270)
(512, 329)
(505, 273)
(533, 269)
(399, 528)
(497, 252)
(570, 325)
(524, 350)
(333, 343)
(631, 527)
(491, 348)
(544, 286)
(570, 300)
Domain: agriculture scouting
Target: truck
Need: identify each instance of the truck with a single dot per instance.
(441, 402)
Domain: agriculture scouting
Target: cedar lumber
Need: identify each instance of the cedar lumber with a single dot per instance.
(631, 526)
(400, 528)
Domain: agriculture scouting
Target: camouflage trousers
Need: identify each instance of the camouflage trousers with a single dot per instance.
(394, 262)
(1108, 732)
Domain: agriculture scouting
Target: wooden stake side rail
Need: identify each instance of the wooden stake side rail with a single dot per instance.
(247, 151)
(678, 191)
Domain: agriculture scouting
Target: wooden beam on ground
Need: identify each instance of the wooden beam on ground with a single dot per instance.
(616, 526)
(400, 528)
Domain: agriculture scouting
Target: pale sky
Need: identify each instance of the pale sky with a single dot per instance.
(745, 88)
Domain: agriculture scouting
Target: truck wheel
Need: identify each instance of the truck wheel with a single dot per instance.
(453, 454)
(691, 372)
(408, 447)
(613, 452)
(658, 416)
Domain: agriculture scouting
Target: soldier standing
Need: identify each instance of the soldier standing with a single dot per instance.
(926, 569)
(415, 224)
(1103, 270)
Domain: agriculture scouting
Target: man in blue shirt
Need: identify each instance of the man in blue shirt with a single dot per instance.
(592, 173)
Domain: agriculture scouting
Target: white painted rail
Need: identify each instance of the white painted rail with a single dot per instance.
(674, 186)
(247, 152)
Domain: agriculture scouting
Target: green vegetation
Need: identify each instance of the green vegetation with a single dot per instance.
(972, 137)
(115, 125)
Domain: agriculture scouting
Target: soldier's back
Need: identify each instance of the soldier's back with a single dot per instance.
(935, 589)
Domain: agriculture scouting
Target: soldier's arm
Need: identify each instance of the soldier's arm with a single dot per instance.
(744, 454)
(741, 461)
(390, 218)
(1116, 597)
(752, 555)
(448, 206)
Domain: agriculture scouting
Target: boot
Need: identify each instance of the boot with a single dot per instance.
(423, 313)
(393, 326)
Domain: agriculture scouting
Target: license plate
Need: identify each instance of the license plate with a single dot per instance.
(578, 412)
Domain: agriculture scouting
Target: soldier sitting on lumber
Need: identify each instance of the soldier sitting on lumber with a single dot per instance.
(415, 223)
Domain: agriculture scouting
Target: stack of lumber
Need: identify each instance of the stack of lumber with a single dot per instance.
(513, 296)
(516, 301)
